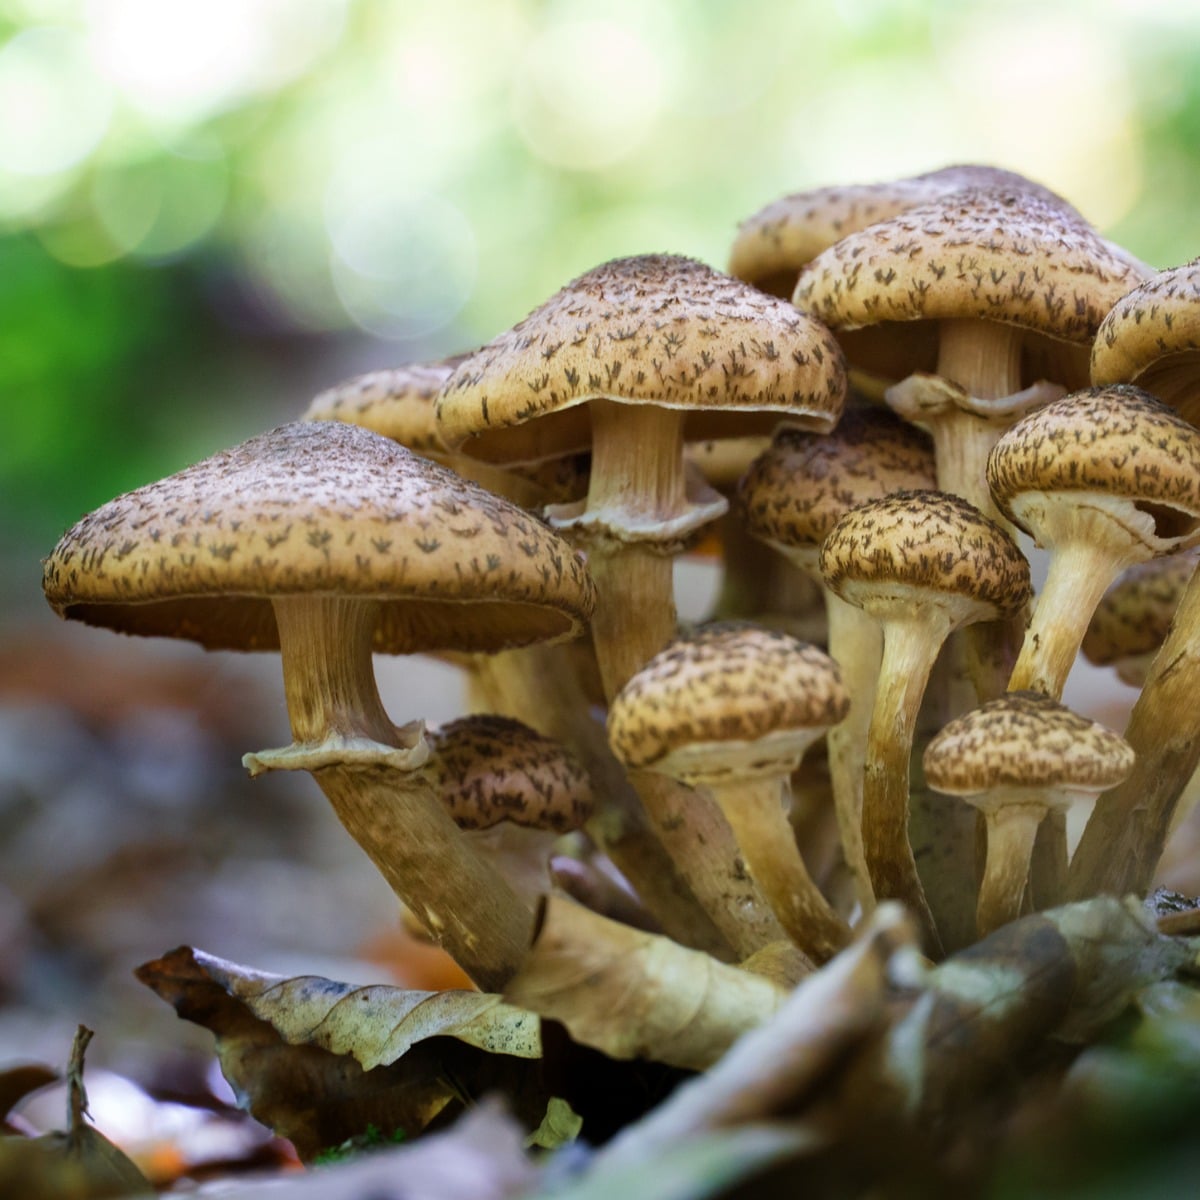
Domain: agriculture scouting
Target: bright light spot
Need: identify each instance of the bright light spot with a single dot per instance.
(587, 93)
(182, 60)
(404, 263)
(55, 109)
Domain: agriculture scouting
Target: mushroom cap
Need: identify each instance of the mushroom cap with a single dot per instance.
(1135, 614)
(1025, 740)
(324, 508)
(1007, 256)
(1116, 441)
(730, 700)
(656, 329)
(797, 490)
(925, 543)
(1151, 336)
(779, 240)
(397, 402)
(491, 769)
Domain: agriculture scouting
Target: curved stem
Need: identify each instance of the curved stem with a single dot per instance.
(755, 812)
(1011, 830)
(395, 815)
(910, 647)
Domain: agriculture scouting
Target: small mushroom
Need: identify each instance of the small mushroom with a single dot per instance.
(732, 709)
(513, 793)
(1017, 759)
(922, 564)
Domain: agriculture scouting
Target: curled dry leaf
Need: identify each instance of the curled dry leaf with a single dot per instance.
(632, 994)
(318, 1061)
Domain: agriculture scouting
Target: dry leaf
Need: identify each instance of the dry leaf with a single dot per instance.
(560, 1126)
(294, 1050)
(637, 995)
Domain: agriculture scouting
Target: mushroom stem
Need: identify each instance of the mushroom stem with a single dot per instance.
(1080, 572)
(856, 645)
(910, 648)
(394, 814)
(1011, 830)
(755, 812)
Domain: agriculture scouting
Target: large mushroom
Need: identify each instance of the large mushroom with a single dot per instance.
(923, 564)
(328, 542)
(631, 358)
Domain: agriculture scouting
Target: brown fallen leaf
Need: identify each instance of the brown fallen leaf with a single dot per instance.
(632, 994)
(15, 1084)
(319, 1061)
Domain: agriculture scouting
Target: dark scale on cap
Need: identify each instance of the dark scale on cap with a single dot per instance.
(321, 508)
(1117, 440)
(1025, 740)
(491, 769)
(726, 682)
(927, 540)
(999, 255)
(655, 329)
(796, 491)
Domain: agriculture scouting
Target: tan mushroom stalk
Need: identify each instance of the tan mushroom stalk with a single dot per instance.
(732, 709)
(1017, 759)
(1104, 478)
(513, 793)
(328, 542)
(791, 497)
(649, 345)
(923, 564)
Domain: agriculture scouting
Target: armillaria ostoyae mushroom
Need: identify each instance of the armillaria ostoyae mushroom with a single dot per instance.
(1017, 759)
(631, 359)
(732, 709)
(790, 498)
(511, 791)
(923, 564)
(328, 542)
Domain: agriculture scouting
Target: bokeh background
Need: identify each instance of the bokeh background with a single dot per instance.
(211, 209)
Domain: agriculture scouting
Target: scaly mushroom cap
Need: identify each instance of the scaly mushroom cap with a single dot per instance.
(397, 403)
(1133, 618)
(798, 489)
(656, 329)
(731, 700)
(1116, 441)
(723, 461)
(925, 542)
(491, 769)
(774, 244)
(1152, 337)
(1007, 256)
(319, 508)
(1025, 740)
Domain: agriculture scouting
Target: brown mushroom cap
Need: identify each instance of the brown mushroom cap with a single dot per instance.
(655, 329)
(397, 403)
(797, 490)
(319, 508)
(491, 769)
(774, 244)
(1007, 256)
(1117, 441)
(925, 542)
(1025, 740)
(730, 699)
(1151, 337)
(1135, 614)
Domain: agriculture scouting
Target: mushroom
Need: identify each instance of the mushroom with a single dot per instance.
(630, 358)
(922, 564)
(732, 709)
(1104, 478)
(513, 792)
(327, 542)
(1017, 759)
(790, 498)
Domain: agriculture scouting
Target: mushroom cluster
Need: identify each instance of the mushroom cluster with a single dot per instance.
(892, 383)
